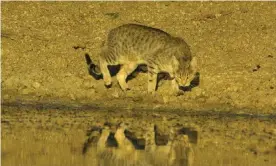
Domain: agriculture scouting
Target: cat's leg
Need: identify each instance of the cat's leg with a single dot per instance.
(171, 153)
(182, 151)
(106, 75)
(125, 70)
(103, 138)
(104, 67)
(152, 79)
(123, 142)
(174, 85)
(150, 139)
(189, 152)
(92, 140)
(175, 88)
(171, 137)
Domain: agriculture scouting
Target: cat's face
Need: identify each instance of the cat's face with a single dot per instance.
(185, 75)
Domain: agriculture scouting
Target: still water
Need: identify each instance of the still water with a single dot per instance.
(37, 135)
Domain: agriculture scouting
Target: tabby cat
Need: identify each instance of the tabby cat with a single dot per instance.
(177, 152)
(131, 45)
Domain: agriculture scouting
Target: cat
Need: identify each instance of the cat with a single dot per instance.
(131, 45)
(177, 152)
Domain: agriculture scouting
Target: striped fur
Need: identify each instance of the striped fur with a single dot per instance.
(131, 45)
(177, 152)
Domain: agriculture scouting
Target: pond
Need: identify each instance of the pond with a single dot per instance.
(50, 135)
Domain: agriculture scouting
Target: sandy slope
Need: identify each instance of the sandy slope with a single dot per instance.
(42, 58)
(43, 46)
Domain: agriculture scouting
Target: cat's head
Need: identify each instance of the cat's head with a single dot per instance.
(186, 72)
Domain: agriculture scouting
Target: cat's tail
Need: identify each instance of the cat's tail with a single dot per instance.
(93, 69)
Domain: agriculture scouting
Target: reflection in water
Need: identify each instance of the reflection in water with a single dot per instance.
(116, 149)
(56, 137)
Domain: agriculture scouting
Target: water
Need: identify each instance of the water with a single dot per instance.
(51, 134)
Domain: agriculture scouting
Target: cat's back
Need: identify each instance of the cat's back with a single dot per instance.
(136, 30)
(137, 38)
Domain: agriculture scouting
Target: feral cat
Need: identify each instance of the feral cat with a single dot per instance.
(131, 45)
(177, 152)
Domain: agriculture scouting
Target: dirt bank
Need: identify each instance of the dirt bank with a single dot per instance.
(43, 46)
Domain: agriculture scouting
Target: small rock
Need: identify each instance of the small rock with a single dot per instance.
(113, 15)
(68, 74)
(8, 82)
(59, 121)
(156, 106)
(26, 91)
(213, 99)
(36, 85)
(218, 15)
(91, 91)
(88, 84)
(202, 99)
(274, 102)
(115, 94)
(274, 131)
(198, 91)
(26, 83)
(235, 89)
(72, 96)
(6, 97)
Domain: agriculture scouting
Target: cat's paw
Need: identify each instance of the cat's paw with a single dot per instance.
(105, 131)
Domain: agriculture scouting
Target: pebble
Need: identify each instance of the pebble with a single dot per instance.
(88, 84)
(36, 85)
(72, 96)
(198, 91)
(68, 74)
(8, 82)
(213, 99)
(25, 83)
(115, 94)
(274, 102)
(274, 131)
(26, 91)
(217, 15)
(6, 96)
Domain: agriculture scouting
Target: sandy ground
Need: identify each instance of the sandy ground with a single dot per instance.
(43, 46)
(42, 62)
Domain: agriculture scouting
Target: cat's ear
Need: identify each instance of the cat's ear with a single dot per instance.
(175, 62)
(194, 65)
